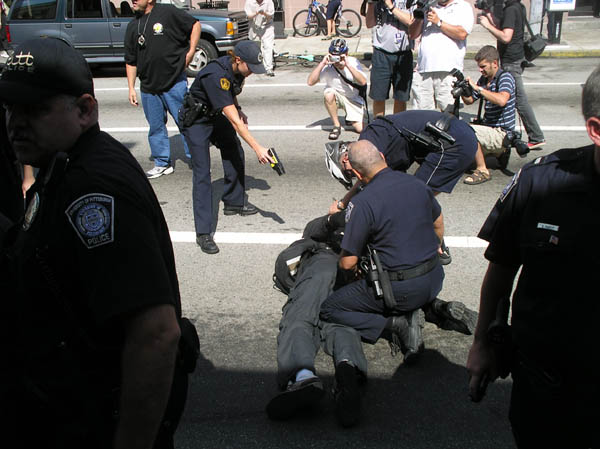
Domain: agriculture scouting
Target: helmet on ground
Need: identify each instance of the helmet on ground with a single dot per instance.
(333, 154)
(338, 47)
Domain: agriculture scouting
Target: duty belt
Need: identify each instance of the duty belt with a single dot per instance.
(415, 272)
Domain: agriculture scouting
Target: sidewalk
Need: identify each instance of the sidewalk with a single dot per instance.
(580, 38)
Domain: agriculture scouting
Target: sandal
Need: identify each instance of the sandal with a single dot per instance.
(478, 177)
(335, 132)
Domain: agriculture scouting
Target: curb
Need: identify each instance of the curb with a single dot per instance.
(552, 54)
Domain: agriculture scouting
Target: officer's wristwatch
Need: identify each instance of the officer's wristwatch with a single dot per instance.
(340, 205)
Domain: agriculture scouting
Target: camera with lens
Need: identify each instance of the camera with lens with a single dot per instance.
(423, 7)
(513, 139)
(334, 58)
(484, 5)
(460, 87)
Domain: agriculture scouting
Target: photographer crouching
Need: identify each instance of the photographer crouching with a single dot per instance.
(496, 130)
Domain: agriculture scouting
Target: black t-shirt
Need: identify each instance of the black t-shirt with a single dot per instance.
(97, 250)
(546, 221)
(161, 60)
(512, 18)
(395, 214)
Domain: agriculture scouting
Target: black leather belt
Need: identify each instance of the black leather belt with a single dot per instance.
(415, 272)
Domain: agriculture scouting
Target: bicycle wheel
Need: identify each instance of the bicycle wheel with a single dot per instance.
(348, 24)
(305, 24)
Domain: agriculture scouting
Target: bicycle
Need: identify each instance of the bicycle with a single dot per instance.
(283, 59)
(308, 21)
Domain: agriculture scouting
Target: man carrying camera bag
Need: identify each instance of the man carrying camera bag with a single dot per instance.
(344, 78)
(510, 34)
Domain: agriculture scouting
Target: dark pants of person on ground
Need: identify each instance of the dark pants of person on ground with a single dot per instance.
(301, 333)
(220, 133)
(553, 416)
(534, 132)
(356, 305)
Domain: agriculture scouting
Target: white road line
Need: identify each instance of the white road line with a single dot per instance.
(273, 238)
(144, 129)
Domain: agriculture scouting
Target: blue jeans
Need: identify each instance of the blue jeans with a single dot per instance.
(155, 108)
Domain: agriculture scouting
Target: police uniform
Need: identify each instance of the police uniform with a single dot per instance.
(216, 87)
(546, 221)
(439, 170)
(377, 216)
(94, 249)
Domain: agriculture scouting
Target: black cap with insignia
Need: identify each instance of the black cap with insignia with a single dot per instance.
(42, 68)
(249, 52)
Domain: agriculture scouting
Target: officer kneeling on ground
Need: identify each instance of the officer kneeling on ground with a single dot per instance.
(443, 146)
(211, 114)
(95, 340)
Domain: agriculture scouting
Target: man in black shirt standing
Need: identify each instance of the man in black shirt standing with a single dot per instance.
(510, 34)
(159, 44)
(94, 342)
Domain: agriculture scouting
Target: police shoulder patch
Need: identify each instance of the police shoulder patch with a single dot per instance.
(92, 217)
(225, 84)
(510, 186)
(349, 211)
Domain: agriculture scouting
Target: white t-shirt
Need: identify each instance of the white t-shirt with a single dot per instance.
(259, 22)
(438, 52)
(332, 80)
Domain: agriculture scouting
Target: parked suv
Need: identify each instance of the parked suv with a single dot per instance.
(97, 27)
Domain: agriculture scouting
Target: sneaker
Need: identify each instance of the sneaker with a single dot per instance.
(445, 257)
(159, 171)
(270, 73)
(451, 316)
(407, 335)
(346, 395)
(296, 396)
(536, 145)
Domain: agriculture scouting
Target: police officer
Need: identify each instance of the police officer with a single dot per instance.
(408, 243)
(211, 114)
(95, 323)
(440, 166)
(544, 223)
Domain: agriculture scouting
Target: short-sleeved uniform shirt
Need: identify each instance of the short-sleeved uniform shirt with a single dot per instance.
(512, 18)
(161, 60)
(97, 239)
(394, 213)
(440, 172)
(495, 115)
(214, 85)
(546, 221)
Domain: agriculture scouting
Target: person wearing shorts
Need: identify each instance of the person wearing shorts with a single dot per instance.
(338, 93)
(332, 8)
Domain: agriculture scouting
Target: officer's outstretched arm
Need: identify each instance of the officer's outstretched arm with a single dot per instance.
(481, 364)
(241, 129)
(148, 362)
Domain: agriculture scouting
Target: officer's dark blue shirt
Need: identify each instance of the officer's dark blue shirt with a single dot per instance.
(214, 85)
(396, 148)
(395, 214)
(546, 221)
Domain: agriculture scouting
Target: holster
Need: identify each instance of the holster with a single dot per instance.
(191, 110)
(384, 281)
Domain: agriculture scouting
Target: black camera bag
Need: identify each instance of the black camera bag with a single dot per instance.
(535, 45)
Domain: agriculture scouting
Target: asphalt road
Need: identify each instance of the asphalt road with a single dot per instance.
(236, 310)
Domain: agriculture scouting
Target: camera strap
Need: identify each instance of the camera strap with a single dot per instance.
(482, 100)
(362, 90)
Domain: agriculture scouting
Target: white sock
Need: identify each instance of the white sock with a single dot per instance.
(304, 374)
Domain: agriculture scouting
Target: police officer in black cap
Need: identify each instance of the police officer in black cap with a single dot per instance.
(95, 322)
(211, 114)
(544, 223)
(414, 136)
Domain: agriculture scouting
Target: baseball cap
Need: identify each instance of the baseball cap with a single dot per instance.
(42, 68)
(249, 52)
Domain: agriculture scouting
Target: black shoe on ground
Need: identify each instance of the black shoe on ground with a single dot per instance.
(248, 209)
(206, 243)
(407, 335)
(452, 316)
(445, 257)
(296, 396)
(346, 395)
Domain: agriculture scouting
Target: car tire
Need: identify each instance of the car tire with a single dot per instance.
(205, 52)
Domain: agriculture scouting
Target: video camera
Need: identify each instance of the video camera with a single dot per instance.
(423, 7)
(460, 87)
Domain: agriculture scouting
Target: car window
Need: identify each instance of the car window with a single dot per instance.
(121, 8)
(33, 10)
(84, 9)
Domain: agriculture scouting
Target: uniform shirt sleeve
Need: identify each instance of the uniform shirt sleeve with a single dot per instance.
(359, 221)
(436, 209)
(218, 89)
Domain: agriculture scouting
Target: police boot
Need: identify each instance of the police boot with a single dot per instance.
(346, 394)
(451, 316)
(296, 396)
(407, 335)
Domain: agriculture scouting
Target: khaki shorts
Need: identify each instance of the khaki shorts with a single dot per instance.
(490, 139)
(354, 112)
